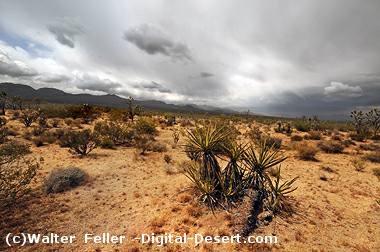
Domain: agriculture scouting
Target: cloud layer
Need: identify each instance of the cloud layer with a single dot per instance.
(277, 57)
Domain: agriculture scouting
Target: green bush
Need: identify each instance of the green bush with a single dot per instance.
(118, 133)
(63, 179)
(145, 126)
(79, 142)
(17, 170)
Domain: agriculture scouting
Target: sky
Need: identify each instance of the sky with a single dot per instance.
(277, 57)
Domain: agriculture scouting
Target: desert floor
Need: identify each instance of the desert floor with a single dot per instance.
(129, 194)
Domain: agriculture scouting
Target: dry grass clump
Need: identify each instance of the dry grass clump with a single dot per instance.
(358, 164)
(158, 147)
(373, 157)
(63, 179)
(313, 135)
(307, 152)
(331, 147)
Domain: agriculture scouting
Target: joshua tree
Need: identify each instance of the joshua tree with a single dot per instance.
(373, 118)
(3, 102)
(133, 109)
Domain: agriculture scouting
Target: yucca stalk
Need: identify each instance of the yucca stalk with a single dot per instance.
(258, 163)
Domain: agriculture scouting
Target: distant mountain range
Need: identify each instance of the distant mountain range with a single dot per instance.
(54, 95)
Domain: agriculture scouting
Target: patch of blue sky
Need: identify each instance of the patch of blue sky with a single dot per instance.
(34, 48)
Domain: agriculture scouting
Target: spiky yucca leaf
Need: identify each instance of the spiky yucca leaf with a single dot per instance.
(279, 191)
(204, 145)
(234, 181)
(207, 187)
(259, 161)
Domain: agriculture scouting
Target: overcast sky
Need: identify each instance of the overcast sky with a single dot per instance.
(276, 57)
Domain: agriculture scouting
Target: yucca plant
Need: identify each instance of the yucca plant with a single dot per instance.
(277, 201)
(203, 146)
(234, 180)
(206, 186)
(258, 162)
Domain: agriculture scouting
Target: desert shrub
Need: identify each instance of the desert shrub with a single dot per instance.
(28, 117)
(331, 147)
(85, 111)
(296, 138)
(119, 134)
(68, 121)
(369, 147)
(55, 122)
(143, 142)
(27, 135)
(358, 164)
(167, 158)
(63, 179)
(348, 142)
(376, 172)
(175, 137)
(38, 131)
(373, 157)
(283, 128)
(43, 139)
(145, 127)
(254, 134)
(38, 141)
(313, 135)
(42, 120)
(186, 123)
(17, 170)
(272, 141)
(170, 120)
(79, 142)
(307, 152)
(3, 134)
(106, 143)
(302, 125)
(3, 121)
(358, 137)
(158, 147)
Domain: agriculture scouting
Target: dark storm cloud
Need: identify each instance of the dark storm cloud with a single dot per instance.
(14, 68)
(287, 57)
(206, 74)
(154, 41)
(94, 83)
(152, 86)
(65, 30)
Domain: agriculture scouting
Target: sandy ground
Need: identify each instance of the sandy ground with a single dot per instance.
(130, 195)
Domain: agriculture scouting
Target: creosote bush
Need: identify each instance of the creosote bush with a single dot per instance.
(28, 117)
(63, 179)
(17, 170)
(114, 133)
(79, 142)
(331, 147)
